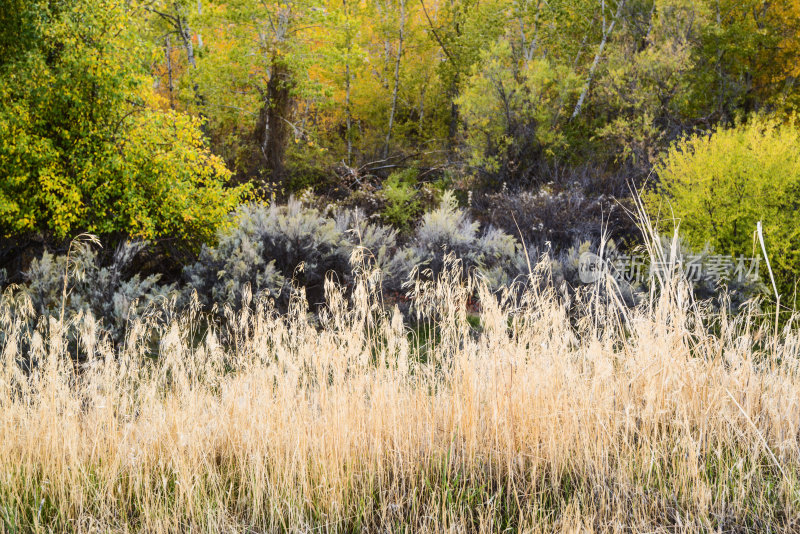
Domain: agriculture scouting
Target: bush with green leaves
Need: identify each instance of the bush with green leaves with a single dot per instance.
(511, 111)
(109, 292)
(719, 185)
(402, 202)
(86, 145)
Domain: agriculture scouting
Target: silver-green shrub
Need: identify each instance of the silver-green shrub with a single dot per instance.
(448, 229)
(273, 248)
(107, 292)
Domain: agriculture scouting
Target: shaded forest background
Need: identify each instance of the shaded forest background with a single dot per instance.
(155, 119)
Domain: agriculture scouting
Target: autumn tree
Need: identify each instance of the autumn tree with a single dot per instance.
(172, 24)
(255, 74)
(84, 145)
(746, 57)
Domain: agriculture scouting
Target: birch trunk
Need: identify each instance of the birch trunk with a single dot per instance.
(168, 59)
(606, 34)
(199, 14)
(186, 36)
(396, 77)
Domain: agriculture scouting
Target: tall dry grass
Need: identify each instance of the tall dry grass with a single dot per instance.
(540, 418)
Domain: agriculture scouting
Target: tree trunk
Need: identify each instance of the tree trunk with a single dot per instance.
(200, 14)
(168, 58)
(396, 77)
(272, 127)
(186, 36)
(606, 34)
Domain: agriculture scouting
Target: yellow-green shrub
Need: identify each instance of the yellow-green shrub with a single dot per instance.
(718, 186)
(85, 146)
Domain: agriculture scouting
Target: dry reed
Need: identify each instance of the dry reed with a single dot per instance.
(535, 418)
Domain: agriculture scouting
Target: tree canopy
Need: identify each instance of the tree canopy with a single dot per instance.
(154, 117)
(86, 146)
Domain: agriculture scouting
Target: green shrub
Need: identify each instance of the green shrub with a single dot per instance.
(84, 145)
(718, 186)
(402, 203)
(511, 113)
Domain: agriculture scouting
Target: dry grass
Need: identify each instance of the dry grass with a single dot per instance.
(662, 418)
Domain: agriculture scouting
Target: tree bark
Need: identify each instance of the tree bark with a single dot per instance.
(606, 34)
(186, 36)
(272, 127)
(200, 14)
(168, 58)
(396, 77)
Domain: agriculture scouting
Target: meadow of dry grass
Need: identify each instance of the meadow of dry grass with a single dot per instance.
(661, 418)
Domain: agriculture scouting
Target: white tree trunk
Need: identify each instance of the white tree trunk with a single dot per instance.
(168, 58)
(396, 77)
(606, 34)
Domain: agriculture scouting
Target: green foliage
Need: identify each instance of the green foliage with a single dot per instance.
(253, 74)
(745, 56)
(402, 202)
(170, 184)
(83, 150)
(295, 90)
(718, 186)
(511, 109)
(643, 91)
(22, 25)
